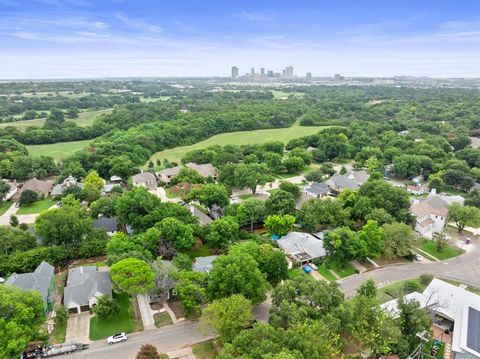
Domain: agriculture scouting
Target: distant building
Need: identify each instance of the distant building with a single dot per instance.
(234, 72)
(308, 76)
(338, 77)
(252, 71)
(289, 72)
(269, 73)
(206, 170)
(262, 71)
(145, 179)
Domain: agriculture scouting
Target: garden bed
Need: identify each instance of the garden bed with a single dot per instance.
(162, 319)
(177, 308)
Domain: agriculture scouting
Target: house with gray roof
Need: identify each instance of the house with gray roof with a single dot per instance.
(41, 188)
(59, 189)
(317, 190)
(85, 285)
(302, 247)
(205, 170)
(109, 224)
(339, 183)
(42, 280)
(203, 218)
(145, 179)
(203, 264)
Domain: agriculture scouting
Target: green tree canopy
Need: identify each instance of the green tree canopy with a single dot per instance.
(132, 276)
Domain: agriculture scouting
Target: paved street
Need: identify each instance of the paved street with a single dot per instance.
(165, 339)
(464, 268)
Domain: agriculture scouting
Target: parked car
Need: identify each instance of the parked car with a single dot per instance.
(313, 266)
(307, 269)
(117, 338)
(17, 204)
(59, 204)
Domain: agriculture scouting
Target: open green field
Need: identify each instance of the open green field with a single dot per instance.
(277, 94)
(58, 150)
(240, 138)
(84, 119)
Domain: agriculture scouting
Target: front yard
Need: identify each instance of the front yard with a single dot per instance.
(400, 288)
(162, 319)
(123, 321)
(326, 273)
(36, 207)
(204, 350)
(4, 206)
(448, 252)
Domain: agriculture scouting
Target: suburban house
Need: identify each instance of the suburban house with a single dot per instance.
(416, 190)
(42, 188)
(145, 179)
(203, 219)
(431, 212)
(70, 181)
(11, 192)
(351, 180)
(475, 142)
(206, 170)
(84, 286)
(109, 224)
(450, 305)
(302, 247)
(203, 264)
(317, 190)
(116, 179)
(41, 280)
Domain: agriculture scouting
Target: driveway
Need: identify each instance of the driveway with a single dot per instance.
(78, 328)
(5, 218)
(146, 311)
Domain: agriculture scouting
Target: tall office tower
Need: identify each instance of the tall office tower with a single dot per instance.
(289, 72)
(283, 72)
(252, 71)
(234, 72)
(269, 73)
(262, 71)
(308, 76)
(338, 77)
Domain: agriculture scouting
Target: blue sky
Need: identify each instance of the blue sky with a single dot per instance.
(108, 38)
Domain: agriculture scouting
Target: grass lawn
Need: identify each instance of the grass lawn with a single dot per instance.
(58, 150)
(162, 319)
(343, 271)
(36, 207)
(239, 138)
(295, 272)
(4, 206)
(243, 197)
(431, 248)
(397, 289)
(204, 350)
(123, 321)
(84, 119)
(277, 94)
(325, 272)
(58, 335)
(201, 251)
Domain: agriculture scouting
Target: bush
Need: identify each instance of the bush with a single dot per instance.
(411, 286)
(148, 351)
(28, 196)
(106, 307)
(61, 315)
(426, 278)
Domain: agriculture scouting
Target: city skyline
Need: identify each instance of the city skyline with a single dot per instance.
(124, 38)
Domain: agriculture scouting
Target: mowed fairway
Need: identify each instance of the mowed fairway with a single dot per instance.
(84, 119)
(240, 138)
(59, 150)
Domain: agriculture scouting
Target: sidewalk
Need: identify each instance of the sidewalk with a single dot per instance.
(146, 311)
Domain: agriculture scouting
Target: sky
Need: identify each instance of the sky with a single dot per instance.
(42, 39)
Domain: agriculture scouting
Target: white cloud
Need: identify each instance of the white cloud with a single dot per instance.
(139, 24)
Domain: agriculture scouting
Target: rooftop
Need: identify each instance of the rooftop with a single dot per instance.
(38, 280)
(203, 264)
(302, 246)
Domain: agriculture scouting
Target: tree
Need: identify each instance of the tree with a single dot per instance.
(210, 195)
(132, 276)
(222, 232)
(237, 273)
(190, 287)
(182, 261)
(13, 220)
(318, 214)
(177, 233)
(228, 316)
(441, 241)
(250, 211)
(61, 315)
(63, 226)
(293, 164)
(22, 315)
(472, 198)
(4, 189)
(274, 161)
(27, 197)
(105, 308)
(104, 206)
(368, 289)
(93, 181)
(70, 201)
(135, 208)
(371, 238)
(291, 188)
(121, 246)
(147, 351)
(251, 175)
(463, 216)
(399, 239)
(279, 225)
(164, 272)
(280, 202)
(372, 164)
(342, 245)
(188, 175)
(15, 240)
(94, 244)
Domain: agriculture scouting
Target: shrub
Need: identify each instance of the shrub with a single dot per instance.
(426, 278)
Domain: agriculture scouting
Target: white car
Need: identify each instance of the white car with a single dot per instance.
(117, 338)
